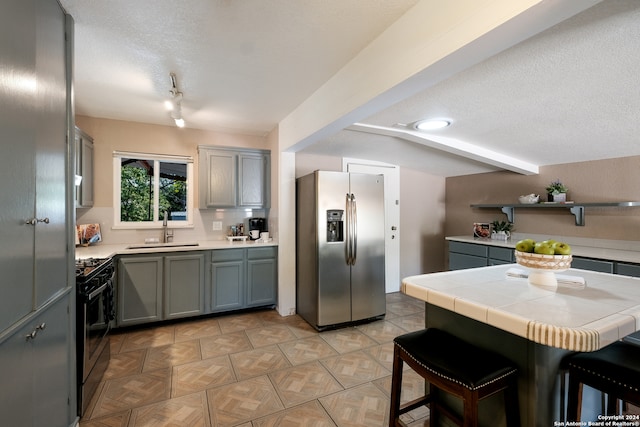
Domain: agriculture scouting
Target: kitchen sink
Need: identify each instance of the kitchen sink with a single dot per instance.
(162, 245)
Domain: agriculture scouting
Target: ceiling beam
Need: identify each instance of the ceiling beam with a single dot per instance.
(452, 146)
(428, 44)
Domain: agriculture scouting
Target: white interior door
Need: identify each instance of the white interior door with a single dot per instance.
(392, 214)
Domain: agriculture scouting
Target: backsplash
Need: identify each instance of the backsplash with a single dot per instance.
(201, 230)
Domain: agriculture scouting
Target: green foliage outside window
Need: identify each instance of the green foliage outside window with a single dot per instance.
(137, 186)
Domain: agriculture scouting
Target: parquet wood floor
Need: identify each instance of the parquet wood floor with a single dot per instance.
(256, 369)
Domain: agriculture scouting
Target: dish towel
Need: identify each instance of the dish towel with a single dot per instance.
(576, 282)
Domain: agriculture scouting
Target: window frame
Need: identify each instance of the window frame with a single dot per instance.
(157, 159)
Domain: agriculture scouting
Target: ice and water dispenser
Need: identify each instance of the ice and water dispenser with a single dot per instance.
(335, 225)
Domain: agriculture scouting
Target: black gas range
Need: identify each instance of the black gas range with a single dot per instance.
(95, 306)
(87, 269)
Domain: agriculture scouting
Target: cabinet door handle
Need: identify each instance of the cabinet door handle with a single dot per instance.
(32, 335)
(31, 221)
(45, 220)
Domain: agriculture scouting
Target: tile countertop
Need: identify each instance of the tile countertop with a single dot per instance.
(612, 250)
(587, 319)
(109, 250)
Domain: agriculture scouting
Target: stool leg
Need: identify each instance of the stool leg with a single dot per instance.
(434, 412)
(574, 401)
(470, 408)
(396, 384)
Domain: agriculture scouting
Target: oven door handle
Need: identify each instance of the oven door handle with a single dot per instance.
(98, 291)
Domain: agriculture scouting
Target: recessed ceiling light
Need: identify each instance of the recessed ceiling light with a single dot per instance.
(431, 124)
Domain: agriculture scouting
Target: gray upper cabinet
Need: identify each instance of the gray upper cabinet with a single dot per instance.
(253, 179)
(233, 178)
(84, 168)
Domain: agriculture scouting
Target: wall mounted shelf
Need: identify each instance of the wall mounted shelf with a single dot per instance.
(577, 209)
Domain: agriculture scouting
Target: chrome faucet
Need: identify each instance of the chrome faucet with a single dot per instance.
(167, 235)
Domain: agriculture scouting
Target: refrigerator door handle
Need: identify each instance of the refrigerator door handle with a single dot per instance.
(348, 226)
(354, 231)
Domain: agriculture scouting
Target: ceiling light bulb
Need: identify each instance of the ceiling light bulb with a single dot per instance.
(431, 124)
(179, 123)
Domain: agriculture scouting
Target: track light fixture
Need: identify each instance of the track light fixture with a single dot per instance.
(175, 103)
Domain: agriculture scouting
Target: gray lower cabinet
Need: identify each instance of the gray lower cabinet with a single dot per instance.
(603, 266)
(154, 288)
(184, 285)
(262, 276)
(35, 368)
(242, 278)
(139, 290)
(627, 269)
(467, 255)
(227, 279)
(499, 255)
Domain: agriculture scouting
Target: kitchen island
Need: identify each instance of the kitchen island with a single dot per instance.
(533, 326)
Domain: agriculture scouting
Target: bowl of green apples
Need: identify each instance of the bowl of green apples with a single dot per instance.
(543, 258)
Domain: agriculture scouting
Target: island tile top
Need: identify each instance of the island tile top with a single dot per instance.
(578, 319)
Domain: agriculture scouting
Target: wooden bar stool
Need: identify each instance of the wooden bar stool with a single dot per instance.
(454, 366)
(614, 370)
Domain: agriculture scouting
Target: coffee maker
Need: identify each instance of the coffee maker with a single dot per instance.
(259, 224)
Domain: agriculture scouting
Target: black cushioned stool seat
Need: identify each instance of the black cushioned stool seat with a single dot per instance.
(614, 369)
(456, 367)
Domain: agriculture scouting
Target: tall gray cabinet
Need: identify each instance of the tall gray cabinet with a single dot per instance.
(37, 362)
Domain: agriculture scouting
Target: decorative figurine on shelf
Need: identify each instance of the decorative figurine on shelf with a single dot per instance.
(501, 230)
(557, 191)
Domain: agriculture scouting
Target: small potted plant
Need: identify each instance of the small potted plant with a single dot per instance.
(557, 191)
(501, 230)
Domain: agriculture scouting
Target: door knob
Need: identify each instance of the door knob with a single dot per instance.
(394, 228)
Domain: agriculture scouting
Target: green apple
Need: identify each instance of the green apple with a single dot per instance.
(543, 248)
(550, 242)
(525, 245)
(561, 248)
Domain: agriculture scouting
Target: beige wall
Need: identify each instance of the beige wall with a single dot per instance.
(612, 180)
(422, 218)
(112, 135)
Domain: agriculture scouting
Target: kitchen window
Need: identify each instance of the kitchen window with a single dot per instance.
(146, 186)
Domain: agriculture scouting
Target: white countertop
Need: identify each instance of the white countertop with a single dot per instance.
(612, 250)
(586, 319)
(109, 250)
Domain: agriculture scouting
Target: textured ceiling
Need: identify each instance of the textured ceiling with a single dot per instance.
(242, 65)
(568, 94)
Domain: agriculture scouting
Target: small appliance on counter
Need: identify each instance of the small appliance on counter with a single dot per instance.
(256, 227)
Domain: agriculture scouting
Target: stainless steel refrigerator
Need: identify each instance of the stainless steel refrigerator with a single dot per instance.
(340, 248)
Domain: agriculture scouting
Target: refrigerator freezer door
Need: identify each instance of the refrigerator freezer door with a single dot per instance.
(367, 273)
(334, 294)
